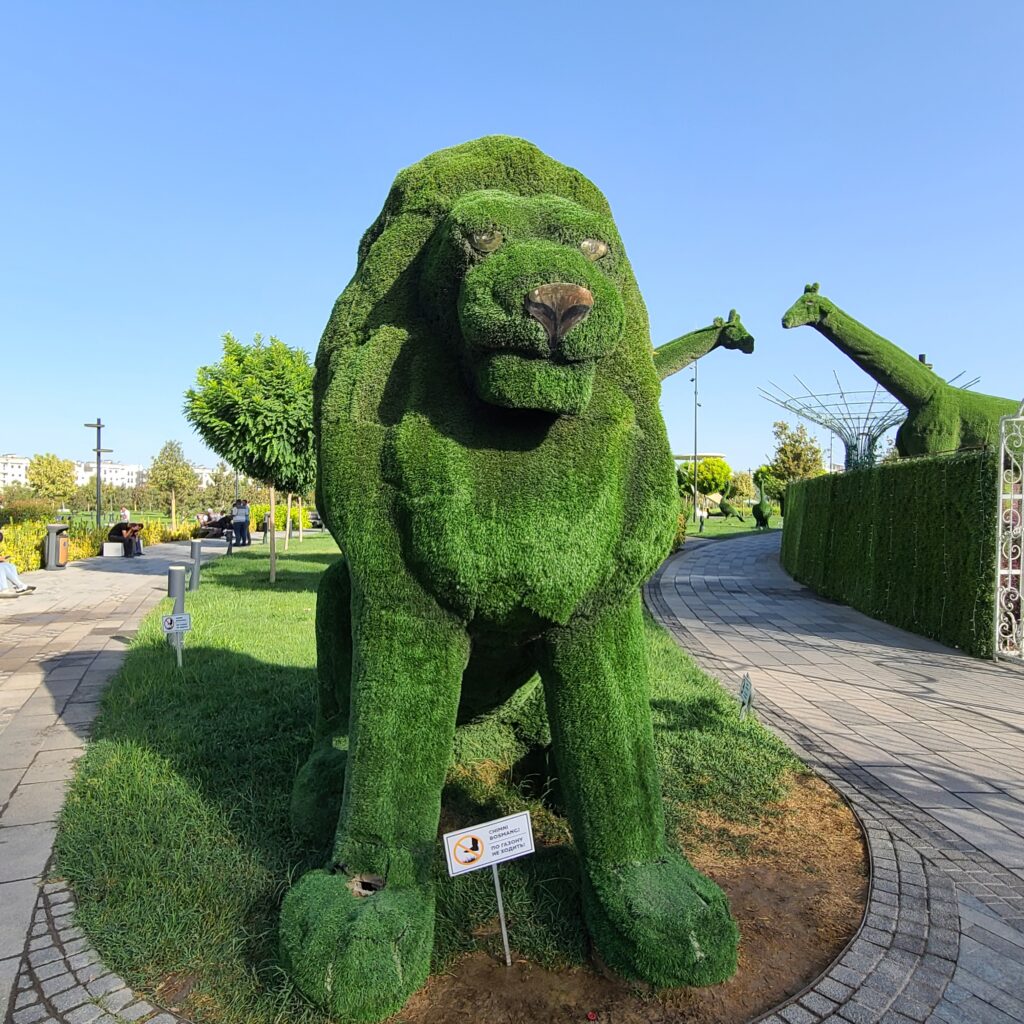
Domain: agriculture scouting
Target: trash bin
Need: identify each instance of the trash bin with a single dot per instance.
(56, 552)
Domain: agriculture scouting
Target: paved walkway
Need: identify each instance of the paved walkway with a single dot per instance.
(58, 649)
(927, 744)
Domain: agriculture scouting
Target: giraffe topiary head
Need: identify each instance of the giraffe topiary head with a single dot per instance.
(733, 334)
(810, 308)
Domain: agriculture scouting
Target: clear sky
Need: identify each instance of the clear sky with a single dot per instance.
(174, 171)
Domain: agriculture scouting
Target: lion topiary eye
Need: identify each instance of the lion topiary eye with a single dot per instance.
(486, 241)
(593, 249)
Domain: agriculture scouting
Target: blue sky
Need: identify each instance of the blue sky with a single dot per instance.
(175, 171)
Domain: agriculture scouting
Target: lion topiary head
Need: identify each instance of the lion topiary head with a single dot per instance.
(511, 256)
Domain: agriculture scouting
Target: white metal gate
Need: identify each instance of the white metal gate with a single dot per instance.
(1010, 549)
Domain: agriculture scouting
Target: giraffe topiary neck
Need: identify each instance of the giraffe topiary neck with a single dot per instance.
(905, 378)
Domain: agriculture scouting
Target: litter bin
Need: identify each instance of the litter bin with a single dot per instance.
(56, 545)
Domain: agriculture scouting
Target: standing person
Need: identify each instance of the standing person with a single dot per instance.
(246, 539)
(11, 584)
(125, 514)
(238, 522)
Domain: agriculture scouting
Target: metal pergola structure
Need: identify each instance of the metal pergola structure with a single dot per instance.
(857, 418)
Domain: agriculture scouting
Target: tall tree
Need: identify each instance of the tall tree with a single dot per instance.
(52, 477)
(219, 493)
(797, 455)
(172, 477)
(255, 409)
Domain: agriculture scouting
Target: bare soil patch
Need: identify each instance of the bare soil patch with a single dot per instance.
(797, 890)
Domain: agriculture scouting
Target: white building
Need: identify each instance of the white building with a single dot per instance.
(13, 469)
(205, 475)
(113, 474)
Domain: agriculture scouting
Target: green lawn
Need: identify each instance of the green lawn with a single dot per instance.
(719, 526)
(175, 831)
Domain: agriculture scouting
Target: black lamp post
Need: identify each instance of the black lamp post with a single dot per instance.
(99, 450)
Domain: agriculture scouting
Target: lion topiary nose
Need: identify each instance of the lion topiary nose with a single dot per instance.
(558, 308)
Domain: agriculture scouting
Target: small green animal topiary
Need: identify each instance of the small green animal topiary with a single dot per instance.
(494, 465)
(942, 418)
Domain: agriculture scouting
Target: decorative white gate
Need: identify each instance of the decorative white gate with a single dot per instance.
(1010, 549)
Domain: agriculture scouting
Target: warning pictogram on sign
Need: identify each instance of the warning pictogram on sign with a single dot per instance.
(468, 849)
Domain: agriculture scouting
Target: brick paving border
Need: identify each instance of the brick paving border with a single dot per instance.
(59, 648)
(942, 938)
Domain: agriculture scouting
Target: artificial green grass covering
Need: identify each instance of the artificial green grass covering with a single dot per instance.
(941, 417)
(176, 828)
(493, 462)
(912, 543)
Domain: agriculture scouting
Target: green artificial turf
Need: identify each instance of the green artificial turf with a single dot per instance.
(176, 832)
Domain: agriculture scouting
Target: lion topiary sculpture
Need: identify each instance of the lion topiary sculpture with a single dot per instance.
(494, 465)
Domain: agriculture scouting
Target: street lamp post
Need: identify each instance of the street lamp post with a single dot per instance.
(696, 406)
(99, 450)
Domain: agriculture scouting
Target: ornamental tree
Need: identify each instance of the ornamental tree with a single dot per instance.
(255, 410)
(172, 477)
(797, 455)
(51, 476)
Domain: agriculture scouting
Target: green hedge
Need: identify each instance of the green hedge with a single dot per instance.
(911, 543)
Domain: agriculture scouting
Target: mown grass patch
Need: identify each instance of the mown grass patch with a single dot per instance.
(175, 831)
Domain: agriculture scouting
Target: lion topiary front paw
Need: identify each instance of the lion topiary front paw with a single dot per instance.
(358, 957)
(661, 921)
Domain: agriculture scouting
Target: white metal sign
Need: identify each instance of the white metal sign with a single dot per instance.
(746, 696)
(177, 623)
(493, 842)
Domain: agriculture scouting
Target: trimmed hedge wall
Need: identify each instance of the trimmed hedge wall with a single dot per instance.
(911, 543)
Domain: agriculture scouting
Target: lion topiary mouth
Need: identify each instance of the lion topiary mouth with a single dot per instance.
(517, 381)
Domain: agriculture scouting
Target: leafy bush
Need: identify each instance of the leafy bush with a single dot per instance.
(24, 510)
(912, 543)
(23, 544)
(258, 511)
(86, 541)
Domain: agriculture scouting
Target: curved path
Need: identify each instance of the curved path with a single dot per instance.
(926, 743)
(58, 649)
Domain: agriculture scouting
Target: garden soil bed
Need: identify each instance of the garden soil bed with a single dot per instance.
(798, 893)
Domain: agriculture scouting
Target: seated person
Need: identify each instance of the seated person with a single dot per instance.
(128, 535)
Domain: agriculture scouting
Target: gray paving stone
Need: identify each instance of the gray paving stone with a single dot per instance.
(117, 999)
(41, 957)
(796, 1014)
(84, 1014)
(830, 988)
(30, 1014)
(83, 959)
(49, 970)
(164, 1018)
(26, 998)
(17, 900)
(818, 1003)
(58, 983)
(91, 971)
(70, 998)
(104, 984)
(136, 1010)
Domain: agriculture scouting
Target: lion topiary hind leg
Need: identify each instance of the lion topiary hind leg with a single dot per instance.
(651, 914)
(317, 790)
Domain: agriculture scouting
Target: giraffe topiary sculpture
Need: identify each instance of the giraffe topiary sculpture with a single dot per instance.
(728, 334)
(494, 465)
(942, 418)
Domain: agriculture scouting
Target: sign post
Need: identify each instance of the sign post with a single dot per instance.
(746, 696)
(488, 845)
(175, 626)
